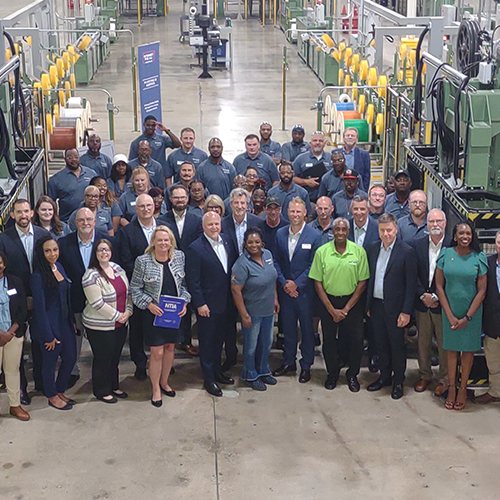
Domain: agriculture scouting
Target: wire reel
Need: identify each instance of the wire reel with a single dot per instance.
(468, 47)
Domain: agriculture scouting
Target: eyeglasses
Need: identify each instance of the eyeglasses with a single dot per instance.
(145, 207)
(418, 202)
(375, 195)
(212, 208)
(103, 249)
(95, 196)
(88, 221)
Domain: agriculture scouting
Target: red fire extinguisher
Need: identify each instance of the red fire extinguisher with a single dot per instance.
(345, 22)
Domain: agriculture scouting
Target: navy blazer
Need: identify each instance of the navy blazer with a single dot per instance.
(47, 309)
(207, 281)
(71, 259)
(491, 304)
(362, 165)
(371, 236)
(421, 247)
(400, 280)
(192, 228)
(18, 264)
(297, 269)
(131, 243)
(229, 230)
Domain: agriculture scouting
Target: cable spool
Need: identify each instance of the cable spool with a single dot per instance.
(400, 75)
(372, 77)
(347, 82)
(382, 80)
(336, 55)
(347, 57)
(54, 81)
(46, 86)
(8, 55)
(327, 108)
(48, 122)
(362, 126)
(63, 138)
(328, 41)
(62, 98)
(56, 114)
(379, 124)
(363, 69)
(341, 47)
(68, 59)
(468, 47)
(354, 91)
(402, 51)
(69, 116)
(60, 67)
(412, 57)
(343, 98)
(85, 42)
(67, 86)
(370, 113)
(341, 76)
(361, 103)
(72, 80)
(355, 63)
(75, 102)
(337, 108)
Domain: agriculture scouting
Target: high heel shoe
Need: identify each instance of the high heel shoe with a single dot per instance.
(156, 404)
(450, 404)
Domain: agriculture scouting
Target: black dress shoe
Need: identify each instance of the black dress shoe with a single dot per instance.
(156, 404)
(280, 342)
(213, 389)
(112, 400)
(317, 340)
(353, 384)
(120, 395)
(378, 384)
(25, 398)
(170, 394)
(305, 376)
(373, 367)
(227, 365)
(140, 374)
(397, 391)
(67, 406)
(224, 379)
(73, 379)
(330, 383)
(284, 369)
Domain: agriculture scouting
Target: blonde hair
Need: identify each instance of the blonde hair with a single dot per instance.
(298, 200)
(151, 247)
(141, 170)
(215, 200)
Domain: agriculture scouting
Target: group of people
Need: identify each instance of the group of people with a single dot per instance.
(243, 241)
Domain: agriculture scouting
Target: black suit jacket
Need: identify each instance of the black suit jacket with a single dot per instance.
(18, 264)
(207, 281)
(71, 259)
(372, 235)
(421, 247)
(192, 228)
(491, 304)
(131, 243)
(400, 279)
(230, 231)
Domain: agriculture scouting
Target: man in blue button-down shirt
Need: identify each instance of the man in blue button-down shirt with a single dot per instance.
(99, 162)
(397, 202)
(290, 150)
(268, 146)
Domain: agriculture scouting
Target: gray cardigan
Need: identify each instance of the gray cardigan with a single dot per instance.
(147, 279)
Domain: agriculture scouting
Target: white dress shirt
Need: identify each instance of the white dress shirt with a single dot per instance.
(240, 232)
(28, 241)
(180, 221)
(434, 251)
(293, 239)
(219, 249)
(360, 233)
(382, 261)
(148, 231)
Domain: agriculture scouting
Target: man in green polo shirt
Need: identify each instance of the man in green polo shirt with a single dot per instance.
(340, 272)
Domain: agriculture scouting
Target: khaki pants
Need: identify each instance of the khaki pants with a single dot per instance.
(10, 359)
(430, 324)
(492, 353)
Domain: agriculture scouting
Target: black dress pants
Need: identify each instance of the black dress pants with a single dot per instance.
(136, 340)
(212, 333)
(348, 332)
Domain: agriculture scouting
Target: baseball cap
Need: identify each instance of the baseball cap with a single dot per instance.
(403, 171)
(350, 173)
(298, 128)
(120, 157)
(272, 200)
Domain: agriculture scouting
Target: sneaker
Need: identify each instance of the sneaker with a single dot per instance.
(268, 380)
(258, 385)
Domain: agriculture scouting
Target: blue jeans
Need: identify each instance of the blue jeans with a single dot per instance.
(257, 342)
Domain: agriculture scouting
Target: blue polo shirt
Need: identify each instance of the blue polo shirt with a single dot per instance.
(394, 207)
(159, 144)
(290, 150)
(326, 234)
(100, 165)
(409, 232)
(127, 204)
(115, 187)
(154, 169)
(258, 283)
(342, 203)
(69, 189)
(103, 220)
(264, 164)
(330, 184)
(285, 197)
(114, 209)
(272, 149)
(218, 178)
(178, 157)
(307, 160)
(269, 234)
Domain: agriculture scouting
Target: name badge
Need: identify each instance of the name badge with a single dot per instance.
(269, 262)
(306, 246)
(157, 143)
(226, 171)
(180, 162)
(308, 165)
(11, 292)
(132, 203)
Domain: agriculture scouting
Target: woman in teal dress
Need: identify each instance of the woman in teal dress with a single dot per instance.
(461, 287)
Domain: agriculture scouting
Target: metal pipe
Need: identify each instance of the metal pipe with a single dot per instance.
(283, 114)
(11, 65)
(434, 61)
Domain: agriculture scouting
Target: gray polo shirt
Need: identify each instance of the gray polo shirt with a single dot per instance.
(178, 157)
(100, 165)
(69, 189)
(285, 197)
(264, 164)
(330, 185)
(114, 209)
(127, 204)
(103, 220)
(115, 187)
(342, 203)
(159, 144)
(307, 160)
(272, 149)
(258, 283)
(218, 178)
(154, 169)
(409, 232)
(394, 207)
(290, 150)
(326, 234)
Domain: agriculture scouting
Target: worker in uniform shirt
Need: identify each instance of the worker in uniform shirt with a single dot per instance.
(255, 158)
(305, 161)
(159, 142)
(340, 272)
(397, 203)
(216, 173)
(356, 158)
(153, 168)
(376, 197)
(413, 227)
(324, 220)
(187, 152)
(342, 200)
(267, 145)
(290, 150)
(99, 162)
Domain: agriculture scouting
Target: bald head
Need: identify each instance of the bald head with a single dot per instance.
(211, 225)
(324, 209)
(144, 151)
(85, 223)
(145, 208)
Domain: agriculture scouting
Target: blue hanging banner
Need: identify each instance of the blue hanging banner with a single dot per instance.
(149, 80)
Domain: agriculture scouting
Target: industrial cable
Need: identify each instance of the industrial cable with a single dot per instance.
(418, 81)
(5, 145)
(461, 87)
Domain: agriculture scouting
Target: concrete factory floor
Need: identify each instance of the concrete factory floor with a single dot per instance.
(292, 442)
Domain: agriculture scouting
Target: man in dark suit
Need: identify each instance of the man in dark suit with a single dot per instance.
(209, 261)
(133, 239)
(362, 229)
(491, 322)
(390, 301)
(294, 252)
(75, 255)
(356, 158)
(187, 227)
(18, 243)
(427, 308)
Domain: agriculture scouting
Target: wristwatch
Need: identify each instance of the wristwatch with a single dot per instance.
(468, 318)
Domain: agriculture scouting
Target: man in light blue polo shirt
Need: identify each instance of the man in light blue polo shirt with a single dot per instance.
(290, 150)
(268, 146)
(99, 162)
(287, 190)
(331, 182)
(305, 161)
(414, 226)
(187, 152)
(68, 185)
(216, 173)
(397, 202)
(342, 200)
(253, 157)
(159, 142)
(154, 169)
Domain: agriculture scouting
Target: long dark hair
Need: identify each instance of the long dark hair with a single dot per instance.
(41, 264)
(109, 197)
(55, 223)
(474, 244)
(113, 175)
(94, 262)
